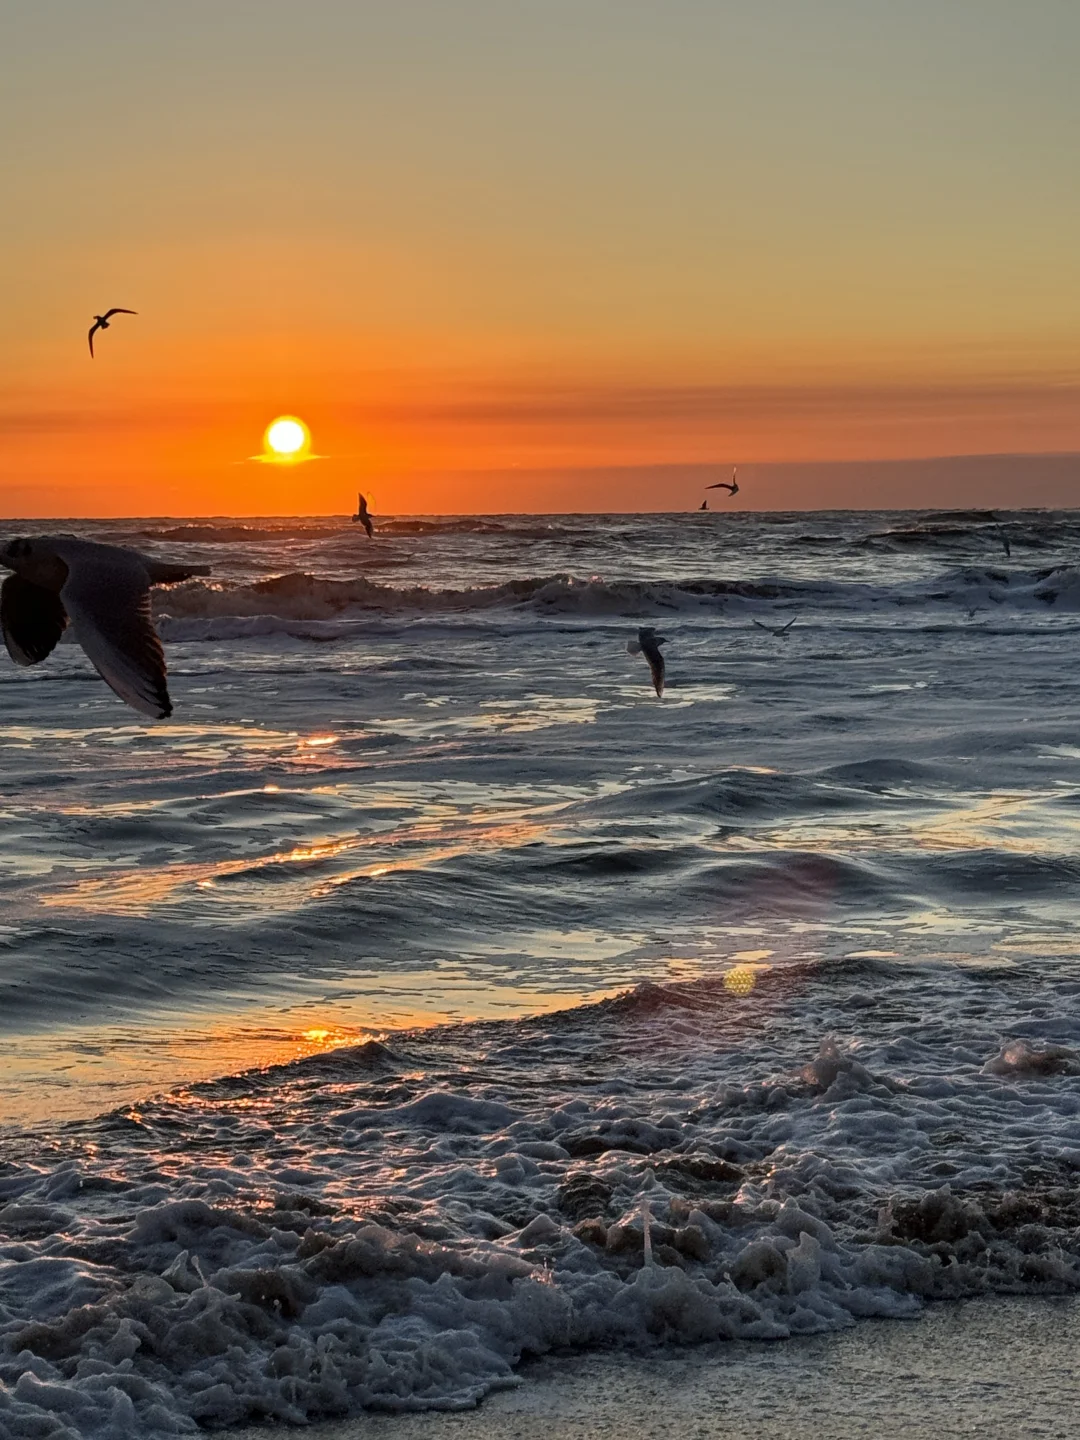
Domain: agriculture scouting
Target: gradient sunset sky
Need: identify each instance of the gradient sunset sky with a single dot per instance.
(482, 245)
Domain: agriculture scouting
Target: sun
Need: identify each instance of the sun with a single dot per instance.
(287, 439)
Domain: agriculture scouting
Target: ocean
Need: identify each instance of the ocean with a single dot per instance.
(427, 994)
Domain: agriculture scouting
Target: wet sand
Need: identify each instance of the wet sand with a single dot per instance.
(1003, 1367)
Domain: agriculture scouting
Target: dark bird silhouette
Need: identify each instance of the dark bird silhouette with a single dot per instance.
(732, 484)
(648, 644)
(101, 322)
(776, 629)
(104, 590)
(362, 515)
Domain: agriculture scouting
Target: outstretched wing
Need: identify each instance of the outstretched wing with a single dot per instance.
(366, 521)
(118, 310)
(90, 337)
(109, 605)
(33, 620)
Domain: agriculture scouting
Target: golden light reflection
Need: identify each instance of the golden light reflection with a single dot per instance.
(497, 837)
(993, 822)
(140, 889)
(64, 1077)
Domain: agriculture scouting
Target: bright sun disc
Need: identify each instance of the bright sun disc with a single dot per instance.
(287, 437)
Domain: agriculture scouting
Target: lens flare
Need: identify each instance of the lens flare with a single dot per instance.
(740, 980)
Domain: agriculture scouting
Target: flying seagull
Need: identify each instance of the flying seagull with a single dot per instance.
(648, 644)
(101, 322)
(776, 629)
(732, 484)
(362, 515)
(104, 590)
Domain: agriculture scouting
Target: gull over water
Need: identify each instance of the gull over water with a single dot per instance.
(363, 515)
(648, 644)
(103, 591)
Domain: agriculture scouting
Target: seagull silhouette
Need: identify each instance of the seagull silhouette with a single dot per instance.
(732, 484)
(104, 590)
(101, 322)
(362, 515)
(776, 629)
(648, 644)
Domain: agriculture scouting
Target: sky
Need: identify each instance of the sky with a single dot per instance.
(510, 254)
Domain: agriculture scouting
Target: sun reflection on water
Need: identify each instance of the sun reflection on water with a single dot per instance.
(136, 891)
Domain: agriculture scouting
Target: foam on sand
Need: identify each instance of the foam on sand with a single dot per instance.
(996, 1369)
(395, 1227)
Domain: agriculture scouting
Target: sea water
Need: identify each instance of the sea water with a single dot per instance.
(426, 993)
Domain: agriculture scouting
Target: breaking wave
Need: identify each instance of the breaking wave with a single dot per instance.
(300, 596)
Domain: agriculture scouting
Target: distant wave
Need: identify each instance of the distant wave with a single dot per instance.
(231, 534)
(300, 596)
(963, 532)
(239, 534)
(471, 526)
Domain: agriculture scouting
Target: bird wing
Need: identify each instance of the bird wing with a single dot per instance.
(760, 626)
(367, 525)
(650, 644)
(90, 337)
(118, 310)
(734, 487)
(108, 599)
(33, 619)
(784, 628)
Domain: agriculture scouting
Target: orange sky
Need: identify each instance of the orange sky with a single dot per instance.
(475, 250)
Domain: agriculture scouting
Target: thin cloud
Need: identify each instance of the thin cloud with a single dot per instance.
(569, 406)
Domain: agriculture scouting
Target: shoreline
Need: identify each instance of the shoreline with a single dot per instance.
(1003, 1366)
